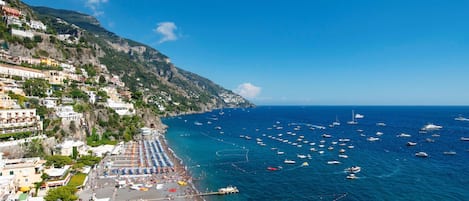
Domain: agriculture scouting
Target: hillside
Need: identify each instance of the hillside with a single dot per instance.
(142, 68)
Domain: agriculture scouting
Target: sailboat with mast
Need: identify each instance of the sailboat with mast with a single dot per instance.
(336, 122)
(353, 122)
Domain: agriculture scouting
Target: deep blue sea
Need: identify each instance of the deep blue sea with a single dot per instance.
(216, 156)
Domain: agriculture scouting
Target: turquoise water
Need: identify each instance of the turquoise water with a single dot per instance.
(215, 154)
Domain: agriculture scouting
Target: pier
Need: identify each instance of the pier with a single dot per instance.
(221, 191)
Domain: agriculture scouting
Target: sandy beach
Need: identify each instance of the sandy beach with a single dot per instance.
(155, 186)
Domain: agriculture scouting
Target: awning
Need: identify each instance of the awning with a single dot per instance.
(24, 189)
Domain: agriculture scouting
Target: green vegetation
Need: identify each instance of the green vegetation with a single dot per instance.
(36, 87)
(77, 180)
(18, 135)
(58, 161)
(89, 160)
(64, 193)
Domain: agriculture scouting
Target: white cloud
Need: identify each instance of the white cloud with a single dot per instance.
(248, 90)
(94, 6)
(167, 30)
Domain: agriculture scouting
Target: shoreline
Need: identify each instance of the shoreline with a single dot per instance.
(179, 165)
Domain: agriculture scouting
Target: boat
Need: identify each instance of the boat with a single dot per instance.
(247, 137)
(343, 156)
(326, 136)
(461, 118)
(272, 168)
(228, 190)
(353, 169)
(289, 161)
(353, 122)
(449, 153)
(421, 154)
(336, 122)
(464, 138)
(435, 135)
(380, 124)
(359, 116)
(280, 152)
(404, 135)
(304, 164)
(351, 176)
(342, 151)
(301, 156)
(372, 139)
(333, 162)
(411, 143)
(350, 146)
(431, 127)
(198, 123)
(344, 140)
(379, 133)
(217, 128)
(429, 140)
(321, 152)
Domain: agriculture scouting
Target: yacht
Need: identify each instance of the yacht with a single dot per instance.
(343, 156)
(353, 169)
(379, 133)
(280, 152)
(198, 123)
(352, 176)
(404, 135)
(333, 162)
(411, 143)
(336, 122)
(359, 116)
(421, 154)
(289, 161)
(301, 156)
(353, 122)
(344, 140)
(380, 124)
(431, 127)
(464, 138)
(372, 139)
(461, 118)
(326, 136)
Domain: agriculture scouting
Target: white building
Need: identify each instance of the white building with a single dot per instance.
(66, 113)
(37, 25)
(7, 187)
(10, 70)
(121, 108)
(49, 102)
(66, 147)
(21, 33)
(58, 176)
(92, 97)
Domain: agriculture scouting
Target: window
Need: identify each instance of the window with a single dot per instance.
(12, 173)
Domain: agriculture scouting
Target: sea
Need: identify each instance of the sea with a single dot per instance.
(215, 150)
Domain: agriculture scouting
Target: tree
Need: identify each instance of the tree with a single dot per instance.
(34, 148)
(58, 161)
(36, 87)
(102, 79)
(74, 153)
(64, 193)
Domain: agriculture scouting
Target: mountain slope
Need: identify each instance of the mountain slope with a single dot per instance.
(141, 67)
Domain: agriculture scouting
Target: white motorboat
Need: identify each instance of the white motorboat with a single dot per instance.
(411, 143)
(464, 138)
(449, 153)
(431, 127)
(334, 162)
(343, 156)
(352, 176)
(461, 118)
(379, 133)
(359, 116)
(326, 136)
(353, 169)
(372, 139)
(380, 124)
(421, 154)
(289, 161)
(404, 135)
(280, 152)
(301, 156)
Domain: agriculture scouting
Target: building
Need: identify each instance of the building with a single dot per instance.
(21, 33)
(67, 113)
(55, 77)
(7, 85)
(26, 171)
(10, 11)
(30, 60)
(7, 187)
(10, 70)
(19, 120)
(6, 102)
(121, 108)
(49, 102)
(58, 176)
(66, 147)
(37, 25)
(49, 62)
(13, 20)
(92, 97)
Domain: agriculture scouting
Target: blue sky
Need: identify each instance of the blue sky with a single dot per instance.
(317, 52)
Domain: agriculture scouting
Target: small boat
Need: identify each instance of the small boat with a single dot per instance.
(351, 176)
(435, 135)
(289, 161)
(198, 123)
(321, 152)
(353, 122)
(330, 148)
(353, 169)
(217, 128)
(301, 156)
(404, 135)
(304, 164)
(429, 140)
(464, 138)
(461, 118)
(411, 143)
(280, 152)
(247, 137)
(343, 156)
(342, 151)
(326, 136)
(379, 133)
(313, 149)
(380, 124)
(359, 116)
(344, 140)
(431, 127)
(336, 122)
(372, 139)
(351, 147)
(421, 154)
(272, 168)
(333, 162)
(449, 153)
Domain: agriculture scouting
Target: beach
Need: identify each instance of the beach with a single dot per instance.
(171, 183)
